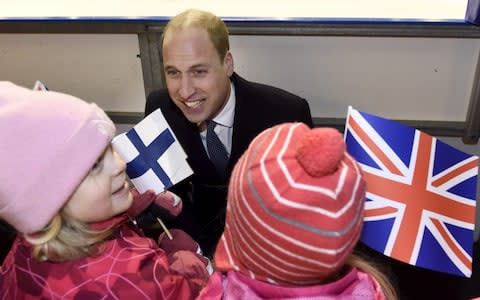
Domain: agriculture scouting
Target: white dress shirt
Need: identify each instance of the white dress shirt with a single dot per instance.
(224, 120)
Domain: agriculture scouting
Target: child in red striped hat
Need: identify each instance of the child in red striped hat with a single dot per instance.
(294, 216)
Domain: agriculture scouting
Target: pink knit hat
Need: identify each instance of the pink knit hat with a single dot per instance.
(48, 143)
(295, 207)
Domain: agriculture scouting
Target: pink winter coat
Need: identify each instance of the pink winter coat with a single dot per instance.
(356, 285)
(131, 267)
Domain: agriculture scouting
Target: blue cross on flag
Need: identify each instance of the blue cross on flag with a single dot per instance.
(155, 159)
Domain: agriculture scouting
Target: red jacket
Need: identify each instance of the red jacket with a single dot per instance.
(130, 267)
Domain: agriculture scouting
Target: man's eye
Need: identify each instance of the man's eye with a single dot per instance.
(172, 73)
(200, 72)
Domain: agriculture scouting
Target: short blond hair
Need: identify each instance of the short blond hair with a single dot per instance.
(215, 27)
(65, 239)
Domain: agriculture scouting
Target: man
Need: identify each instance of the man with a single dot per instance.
(202, 87)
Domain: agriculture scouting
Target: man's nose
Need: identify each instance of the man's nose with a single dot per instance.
(186, 87)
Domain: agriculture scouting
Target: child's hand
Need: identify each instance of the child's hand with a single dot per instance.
(180, 241)
(168, 205)
(140, 202)
(191, 265)
(147, 207)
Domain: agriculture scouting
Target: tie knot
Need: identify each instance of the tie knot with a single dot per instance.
(211, 125)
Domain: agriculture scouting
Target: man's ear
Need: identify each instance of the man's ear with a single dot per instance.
(228, 63)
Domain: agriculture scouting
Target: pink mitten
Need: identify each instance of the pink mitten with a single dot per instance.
(146, 209)
(192, 266)
(180, 241)
(170, 202)
(180, 244)
(140, 202)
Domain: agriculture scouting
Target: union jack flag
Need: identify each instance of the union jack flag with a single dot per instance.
(420, 206)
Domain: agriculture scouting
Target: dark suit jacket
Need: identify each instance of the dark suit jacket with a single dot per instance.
(257, 107)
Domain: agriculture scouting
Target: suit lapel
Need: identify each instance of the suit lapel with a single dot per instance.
(243, 122)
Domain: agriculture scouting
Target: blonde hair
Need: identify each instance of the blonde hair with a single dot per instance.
(367, 266)
(215, 27)
(66, 239)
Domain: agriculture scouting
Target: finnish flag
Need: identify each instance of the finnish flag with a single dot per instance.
(155, 159)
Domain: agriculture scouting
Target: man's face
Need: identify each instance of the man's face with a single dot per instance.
(198, 80)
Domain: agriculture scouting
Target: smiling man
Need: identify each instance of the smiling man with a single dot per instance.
(203, 91)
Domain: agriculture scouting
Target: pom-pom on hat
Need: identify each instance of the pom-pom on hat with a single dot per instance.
(49, 142)
(295, 207)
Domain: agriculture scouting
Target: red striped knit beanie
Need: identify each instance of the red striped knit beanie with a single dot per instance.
(295, 207)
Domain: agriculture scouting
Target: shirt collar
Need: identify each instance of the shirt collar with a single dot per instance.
(225, 117)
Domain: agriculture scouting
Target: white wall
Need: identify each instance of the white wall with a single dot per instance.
(280, 9)
(98, 68)
(402, 78)
(407, 78)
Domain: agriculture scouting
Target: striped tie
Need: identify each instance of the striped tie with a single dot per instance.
(216, 150)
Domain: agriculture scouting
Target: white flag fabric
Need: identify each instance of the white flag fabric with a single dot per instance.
(155, 159)
(39, 86)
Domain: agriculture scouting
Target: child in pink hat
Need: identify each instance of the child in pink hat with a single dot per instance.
(64, 190)
(294, 216)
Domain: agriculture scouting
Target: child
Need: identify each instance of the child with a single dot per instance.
(63, 188)
(294, 215)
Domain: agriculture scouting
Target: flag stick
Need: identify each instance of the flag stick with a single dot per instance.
(165, 229)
